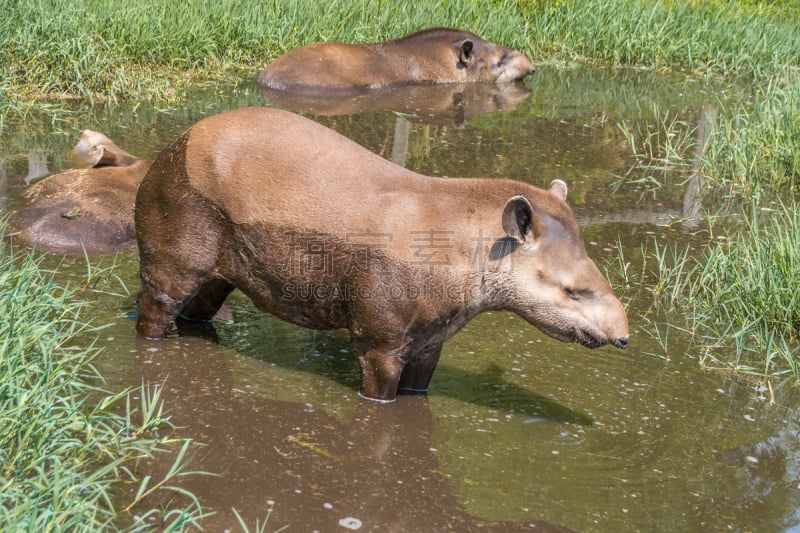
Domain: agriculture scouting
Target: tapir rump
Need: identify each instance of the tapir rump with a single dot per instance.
(321, 232)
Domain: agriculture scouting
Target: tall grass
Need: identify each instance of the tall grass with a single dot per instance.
(108, 49)
(739, 300)
(748, 150)
(67, 457)
(755, 149)
(716, 36)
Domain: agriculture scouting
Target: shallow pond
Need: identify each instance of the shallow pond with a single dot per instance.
(518, 430)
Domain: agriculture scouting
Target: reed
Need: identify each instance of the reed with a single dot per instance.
(67, 455)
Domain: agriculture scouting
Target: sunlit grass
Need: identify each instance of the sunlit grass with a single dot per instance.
(110, 50)
(709, 36)
(67, 455)
(738, 300)
(755, 150)
(747, 150)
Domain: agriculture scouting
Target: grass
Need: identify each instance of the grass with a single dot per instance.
(749, 149)
(709, 36)
(101, 49)
(754, 149)
(67, 456)
(738, 300)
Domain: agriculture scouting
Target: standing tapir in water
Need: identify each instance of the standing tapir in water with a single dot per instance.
(323, 233)
(437, 55)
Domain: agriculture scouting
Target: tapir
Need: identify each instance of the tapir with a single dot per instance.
(84, 210)
(435, 55)
(321, 232)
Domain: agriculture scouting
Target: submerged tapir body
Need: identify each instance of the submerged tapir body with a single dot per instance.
(436, 55)
(321, 232)
(84, 210)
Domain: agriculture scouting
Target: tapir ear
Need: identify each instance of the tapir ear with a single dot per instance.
(559, 189)
(465, 54)
(100, 151)
(97, 156)
(518, 218)
(110, 155)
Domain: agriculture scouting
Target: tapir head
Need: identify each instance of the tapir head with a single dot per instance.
(487, 61)
(98, 151)
(556, 286)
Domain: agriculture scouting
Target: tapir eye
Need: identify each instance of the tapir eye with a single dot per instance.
(577, 294)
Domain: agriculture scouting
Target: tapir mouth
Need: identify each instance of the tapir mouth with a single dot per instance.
(589, 339)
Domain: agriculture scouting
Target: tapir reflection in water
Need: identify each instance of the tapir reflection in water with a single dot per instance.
(321, 232)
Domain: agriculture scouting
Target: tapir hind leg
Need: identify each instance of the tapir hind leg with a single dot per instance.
(207, 301)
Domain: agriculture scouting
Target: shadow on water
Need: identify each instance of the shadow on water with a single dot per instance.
(329, 354)
(376, 469)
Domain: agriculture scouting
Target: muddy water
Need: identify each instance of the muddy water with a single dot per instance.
(518, 430)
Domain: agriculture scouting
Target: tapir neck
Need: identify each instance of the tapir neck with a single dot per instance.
(455, 300)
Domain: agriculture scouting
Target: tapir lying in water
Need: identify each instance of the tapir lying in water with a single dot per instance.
(85, 210)
(436, 55)
(323, 233)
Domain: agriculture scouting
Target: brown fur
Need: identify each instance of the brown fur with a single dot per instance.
(437, 55)
(88, 209)
(321, 232)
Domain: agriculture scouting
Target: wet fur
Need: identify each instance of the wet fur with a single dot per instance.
(436, 55)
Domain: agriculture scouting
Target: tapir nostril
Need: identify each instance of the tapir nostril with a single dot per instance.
(622, 342)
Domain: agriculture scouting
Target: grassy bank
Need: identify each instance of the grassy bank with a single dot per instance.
(67, 455)
(101, 49)
(738, 300)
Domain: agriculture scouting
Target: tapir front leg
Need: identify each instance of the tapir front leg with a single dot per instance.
(380, 372)
(162, 298)
(157, 313)
(418, 371)
(207, 301)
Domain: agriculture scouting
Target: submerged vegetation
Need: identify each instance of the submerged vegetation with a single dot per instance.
(68, 449)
